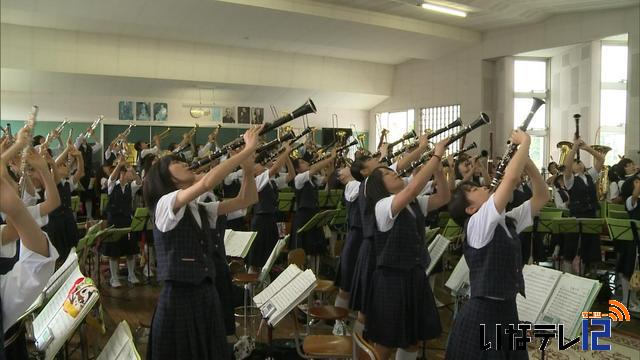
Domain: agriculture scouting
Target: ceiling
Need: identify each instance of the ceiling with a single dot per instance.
(485, 14)
(38, 82)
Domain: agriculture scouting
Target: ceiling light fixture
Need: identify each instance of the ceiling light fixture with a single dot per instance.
(443, 9)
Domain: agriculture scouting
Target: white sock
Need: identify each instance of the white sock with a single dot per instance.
(88, 207)
(401, 354)
(131, 266)
(113, 268)
(341, 302)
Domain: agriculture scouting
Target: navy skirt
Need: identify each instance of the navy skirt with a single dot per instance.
(313, 242)
(348, 259)
(626, 257)
(224, 286)
(267, 228)
(362, 273)
(63, 231)
(187, 323)
(127, 245)
(402, 310)
(464, 340)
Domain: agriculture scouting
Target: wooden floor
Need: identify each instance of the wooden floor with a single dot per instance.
(136, 306)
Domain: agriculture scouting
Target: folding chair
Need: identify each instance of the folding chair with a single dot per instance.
(362, 350)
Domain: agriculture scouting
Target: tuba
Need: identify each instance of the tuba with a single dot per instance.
(564, 147)
(603, 179)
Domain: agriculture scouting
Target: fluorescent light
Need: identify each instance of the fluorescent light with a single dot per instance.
(444, 9)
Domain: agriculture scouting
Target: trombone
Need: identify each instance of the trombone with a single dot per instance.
(163, 134)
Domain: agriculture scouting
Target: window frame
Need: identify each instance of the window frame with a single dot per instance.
(618, 85)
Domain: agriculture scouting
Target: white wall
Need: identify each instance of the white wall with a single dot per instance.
(460, 78)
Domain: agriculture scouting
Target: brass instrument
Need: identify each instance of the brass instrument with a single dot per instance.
(29, 124)
(565, 148)
(93, 126)
(603, 179)
(164, 133)
(341, 134)
(338, 151)
(310, 144)
(383, 137)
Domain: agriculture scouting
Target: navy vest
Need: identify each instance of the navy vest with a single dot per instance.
(635, 213)
(119, 205)
(404, 246)
(582, 197)
(267, 199)
(354, 216)
(496, 269)
(87, 157)
(368, 221)
(307, 197)
(6, 264)
(185, 253)
(231, 191)
(65, 199)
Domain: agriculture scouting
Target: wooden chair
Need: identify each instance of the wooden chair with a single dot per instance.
(362, 350)
(322, 346)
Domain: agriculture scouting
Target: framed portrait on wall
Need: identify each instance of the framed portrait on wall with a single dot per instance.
(143, 110)
(216, 114)
(125, 110)
(257, 115)
(229, 116)
(160, 111)
(244, 117)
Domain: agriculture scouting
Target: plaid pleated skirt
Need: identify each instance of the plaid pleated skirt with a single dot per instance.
(362, 272)
(348, 259)
(464, 340)
(401, 309)
(187, 323)
(63, 231)
(266, 227)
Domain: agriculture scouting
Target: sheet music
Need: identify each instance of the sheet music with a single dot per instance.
(571, 295)
(280, 282)
(238, 243)
(291, 295)
(539, 283)
(436, 249)
(55, 321)
(459, 277)
(120, 345)
(272, 259)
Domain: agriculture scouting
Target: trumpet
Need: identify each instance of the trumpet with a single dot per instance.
(338, 151)
(297, 146)
(164, 133)
(479, 121)
(214, 132)
(30, 123)
(93, 126)
(307, 108)
(184, 144)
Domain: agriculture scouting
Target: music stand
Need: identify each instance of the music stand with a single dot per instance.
(140, 223)
(317, 222)
(578, 226)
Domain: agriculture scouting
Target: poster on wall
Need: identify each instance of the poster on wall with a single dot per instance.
(143, 110)
(229, 116)
(244, 115)
(216, 114)
(257, 115)
(160, 111)
(125, 110)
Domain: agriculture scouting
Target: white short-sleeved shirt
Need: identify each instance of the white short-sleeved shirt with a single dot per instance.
(30, 200)
(236, 175)
(112, 184)
(482, 224)
(151, 151)
(629, 204)
(557, 199)
(263, 179)
(20, 287)
(351, 190)
(166, 220)
(384, 215)
(305, 177)
(34, 211)
(72, 184)
(568, 181)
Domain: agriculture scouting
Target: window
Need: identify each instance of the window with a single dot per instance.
(613, 98)
(437, 117)
(531, 79)
(398, 124)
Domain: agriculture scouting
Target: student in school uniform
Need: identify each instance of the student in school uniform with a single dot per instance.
(264, 220)
(401, 310)
(88, 193)
(123, 183)
(62, 228)
(492, 251)
(230, 189)
(188, 321)
(626, 250)
(144, 149)
(306, 184)
(583, 203)
(467, 167)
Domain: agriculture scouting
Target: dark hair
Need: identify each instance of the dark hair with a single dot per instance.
(138, 146)
(357, 167)
(551, 164)
(459, 202)
(621, 165)
(296, 163)
(36, 140)
(172, 146)
(158, 181)
(616, 172)
(374, 189)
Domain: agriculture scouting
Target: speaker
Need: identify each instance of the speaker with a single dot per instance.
(329, 134)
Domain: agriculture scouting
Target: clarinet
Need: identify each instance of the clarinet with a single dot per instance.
(481, 120)
(471, 146)
(511, 148)
(576, 117)
(307, 108)
(275, 155)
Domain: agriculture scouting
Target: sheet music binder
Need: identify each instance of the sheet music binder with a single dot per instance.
(53, 326)
(285, 293)
(272, 258)
(555, 297)
(458, 282)
(238, 243)
(120, 345)
(436, 249)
